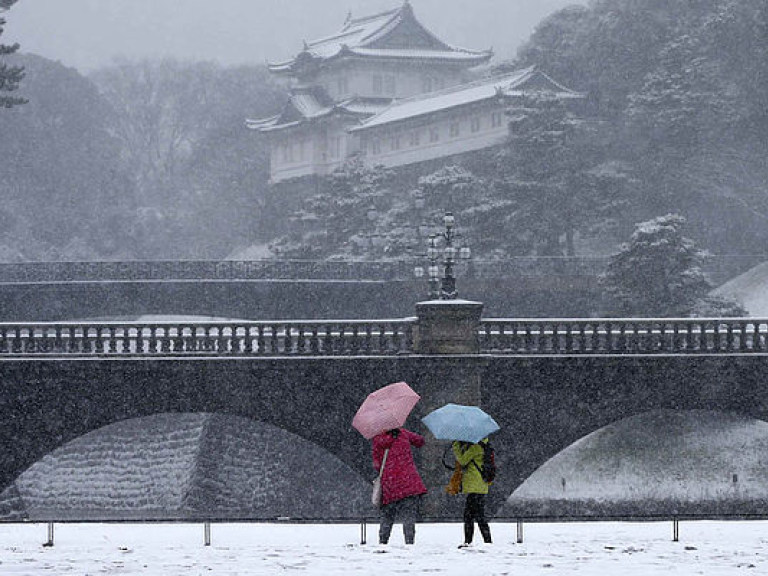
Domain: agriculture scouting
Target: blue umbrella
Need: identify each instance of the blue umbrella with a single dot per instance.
(457, 422)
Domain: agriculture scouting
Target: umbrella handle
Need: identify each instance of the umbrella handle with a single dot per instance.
(447, 448)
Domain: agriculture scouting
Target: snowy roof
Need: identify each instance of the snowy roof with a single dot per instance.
(307, 104)
(392, 34)
(513, 84)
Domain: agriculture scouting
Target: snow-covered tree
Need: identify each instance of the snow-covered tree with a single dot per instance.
(340, 219)
(10, 76)
(659, 273)
(545, 173)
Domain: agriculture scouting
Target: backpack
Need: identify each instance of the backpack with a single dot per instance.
(488, 470)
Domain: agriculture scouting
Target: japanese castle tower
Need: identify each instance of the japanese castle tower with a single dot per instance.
(387, 88)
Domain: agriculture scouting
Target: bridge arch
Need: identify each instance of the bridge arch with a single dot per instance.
(186, 466)
(657, 463)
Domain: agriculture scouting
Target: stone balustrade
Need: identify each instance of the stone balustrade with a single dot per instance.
(535, 337)
(174, 339)
(624, 336)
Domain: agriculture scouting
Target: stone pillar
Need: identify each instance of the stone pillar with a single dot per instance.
(450, 371)
(447, 327)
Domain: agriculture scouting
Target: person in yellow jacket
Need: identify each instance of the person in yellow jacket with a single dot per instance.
(470, 456)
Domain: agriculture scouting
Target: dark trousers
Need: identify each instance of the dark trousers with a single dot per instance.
(474, 511)
(405, 510)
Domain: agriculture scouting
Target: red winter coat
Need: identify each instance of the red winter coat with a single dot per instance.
(400, 478)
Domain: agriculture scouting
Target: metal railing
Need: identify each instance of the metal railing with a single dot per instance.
(719, 266)
(180, 338)
(624, 336)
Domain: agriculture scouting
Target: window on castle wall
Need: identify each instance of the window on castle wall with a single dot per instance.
(378, 84)
(342, 86)
(376, 147)
(496, 119)
(389, 85)
(454, 130)
(434, 134)
(414, 139)
(334, 147)
(301, 150)
(426, 84)
(394, 143)
(474, 124)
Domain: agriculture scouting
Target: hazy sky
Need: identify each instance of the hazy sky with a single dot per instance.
(89, 33)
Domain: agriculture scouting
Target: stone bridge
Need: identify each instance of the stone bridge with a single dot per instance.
(525, 286)
(548, 382)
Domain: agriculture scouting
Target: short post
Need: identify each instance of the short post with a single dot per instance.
(207, 533)
(675, 530)
(363, 532)
(49, 543)
(519, 531)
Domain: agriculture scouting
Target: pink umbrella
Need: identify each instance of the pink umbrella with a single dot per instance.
(385, 409)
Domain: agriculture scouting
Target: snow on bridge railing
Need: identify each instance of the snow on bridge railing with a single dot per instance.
(624, 336)
(230, 338)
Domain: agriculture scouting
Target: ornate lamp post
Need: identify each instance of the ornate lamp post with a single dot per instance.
(443, 288)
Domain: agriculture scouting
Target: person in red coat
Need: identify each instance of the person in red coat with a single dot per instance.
(401, 485)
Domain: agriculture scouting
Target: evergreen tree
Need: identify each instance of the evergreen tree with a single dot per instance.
(548, 174)
(659, 273)
(345, 218)
(10, 76)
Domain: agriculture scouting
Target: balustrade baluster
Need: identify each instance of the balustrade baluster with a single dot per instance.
(732, 341)
(502, 337)
(704, 344)
(300, 343)
(568, 337)
(516, 337)
(178, 342)
(97, 346)
(71, 343)
(260, 342)
(592, 337)
(273, 347)
(112, 342)
(723, 334)
(482, 336)
(16, 344)
(742, 336)
(366, 339)
(697, 342)
(4, 343)
(607, 338)
(219, 343)
(529, 338)
(623, 337)
(676, 337)
(122, 341)
(136, 336)
(164, 334)
(355, 348)
(153, 340)
(314, 343)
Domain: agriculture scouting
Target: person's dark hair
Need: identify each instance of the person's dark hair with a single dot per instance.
(395, 432)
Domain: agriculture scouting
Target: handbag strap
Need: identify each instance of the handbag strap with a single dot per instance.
(383, 462)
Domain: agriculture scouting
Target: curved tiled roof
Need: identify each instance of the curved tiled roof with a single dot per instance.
(391, 34)
(512, 84)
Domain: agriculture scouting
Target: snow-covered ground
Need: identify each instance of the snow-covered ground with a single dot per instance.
(625, 549)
